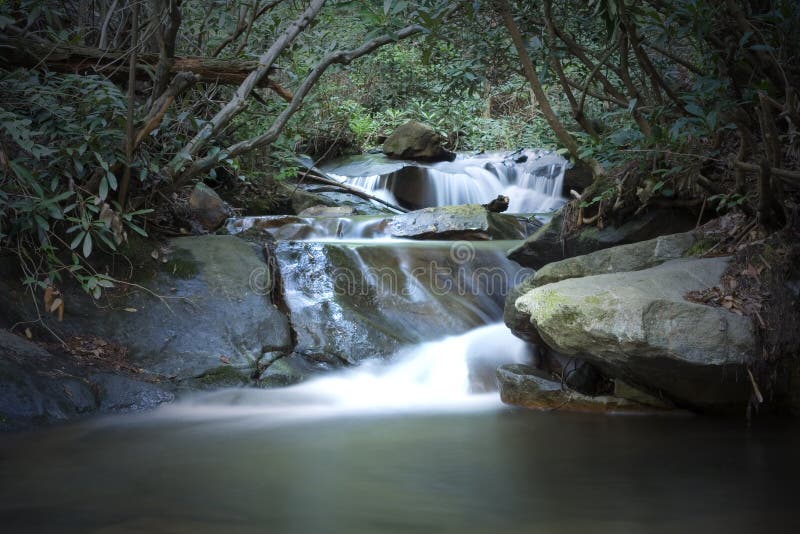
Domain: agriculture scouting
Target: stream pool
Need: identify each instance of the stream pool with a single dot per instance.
(491, 469)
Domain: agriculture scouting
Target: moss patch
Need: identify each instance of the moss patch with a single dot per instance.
(700, 247)
(181, 264)
(224, 375)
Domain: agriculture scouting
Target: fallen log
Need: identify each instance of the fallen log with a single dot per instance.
(316, 175)
(77, 59)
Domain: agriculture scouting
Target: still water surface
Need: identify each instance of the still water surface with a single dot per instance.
(484, 470)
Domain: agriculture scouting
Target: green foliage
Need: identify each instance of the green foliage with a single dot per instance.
(60, 133)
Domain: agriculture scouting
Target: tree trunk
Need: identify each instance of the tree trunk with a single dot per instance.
(77, 59)
(533, 79)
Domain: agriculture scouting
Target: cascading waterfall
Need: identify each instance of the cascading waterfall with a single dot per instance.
(532, 179)
(374, 326)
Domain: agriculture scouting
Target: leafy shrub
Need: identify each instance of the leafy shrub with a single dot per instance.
(61, 135)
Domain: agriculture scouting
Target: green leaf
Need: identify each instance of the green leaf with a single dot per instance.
(77, 240)
(695, 110)
(138, 229)
(103, 192)
(112, 180)
(104, 282)
(87, 245)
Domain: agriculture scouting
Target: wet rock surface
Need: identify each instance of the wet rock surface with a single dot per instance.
(350, 301)
(523, 385)
(39, 385)
(467, 222)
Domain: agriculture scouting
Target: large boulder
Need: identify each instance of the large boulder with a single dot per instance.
(638, 326)
(204, 311)
(40, 386)
(417, 141)
(632, 257)
(548, 244)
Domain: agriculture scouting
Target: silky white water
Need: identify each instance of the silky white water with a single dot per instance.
(532, 179)
(437, 376)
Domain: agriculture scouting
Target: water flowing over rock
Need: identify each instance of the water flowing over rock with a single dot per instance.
(637, 326)
(353, 300)
(466, 222)
(416, 141)
(533, 183)
(547, 245)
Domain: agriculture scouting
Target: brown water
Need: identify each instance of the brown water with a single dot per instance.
(486, 471)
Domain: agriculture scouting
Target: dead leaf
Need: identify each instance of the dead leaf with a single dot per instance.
(49, 293)
(56, 304)
(225, 360)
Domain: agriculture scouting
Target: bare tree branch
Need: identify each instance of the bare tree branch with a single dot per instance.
(239, 100)
(342, 57)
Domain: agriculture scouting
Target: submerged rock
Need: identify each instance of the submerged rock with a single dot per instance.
(637, 326)
(546, 245)
(416, 141)
(522, 385)
(469, 222)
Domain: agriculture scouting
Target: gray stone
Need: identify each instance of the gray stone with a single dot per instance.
(208, 208)
(119, 393)
(40, 386)
(36, 387)
(546, 245)
(307, 196)
(637, 326)
(522, 385)
(327, 211)
(632, 257)
(466, 222)
(414, 140)
(206, 302)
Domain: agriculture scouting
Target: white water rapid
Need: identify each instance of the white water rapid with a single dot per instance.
(438, 376)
